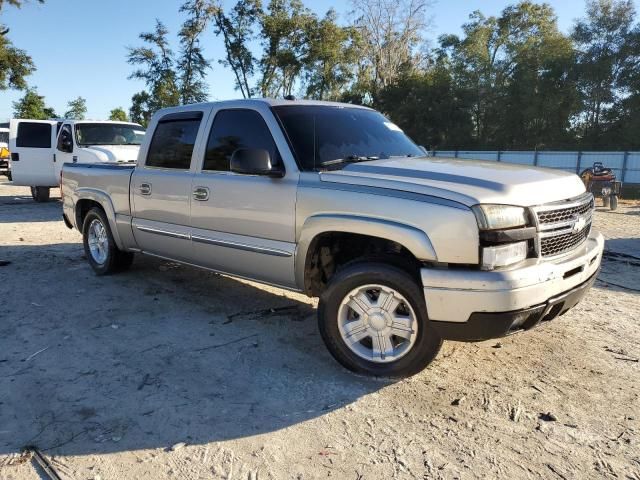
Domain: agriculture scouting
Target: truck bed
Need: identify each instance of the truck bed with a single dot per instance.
(111, 180)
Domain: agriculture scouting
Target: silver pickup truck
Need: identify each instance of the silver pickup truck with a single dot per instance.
(335, 201)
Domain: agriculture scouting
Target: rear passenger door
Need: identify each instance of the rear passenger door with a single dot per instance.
(32, 146)
(161, 186)
(244, 224)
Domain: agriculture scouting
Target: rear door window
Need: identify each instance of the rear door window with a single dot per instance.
(234, 129)
(173, 141)
(34, 135)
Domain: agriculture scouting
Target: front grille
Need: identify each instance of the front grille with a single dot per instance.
(563, 226)
(557, 244)
(564, 214)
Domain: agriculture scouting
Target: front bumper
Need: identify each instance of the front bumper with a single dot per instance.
(478, 305)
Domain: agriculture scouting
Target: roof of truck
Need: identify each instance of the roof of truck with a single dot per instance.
(273, 102)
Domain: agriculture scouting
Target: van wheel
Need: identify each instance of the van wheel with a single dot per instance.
(9, 176)
(613, 202)
(100, 248)
(373, 319)
(40, 194)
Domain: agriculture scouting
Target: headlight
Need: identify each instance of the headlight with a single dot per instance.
(492, 217)
(503, 255)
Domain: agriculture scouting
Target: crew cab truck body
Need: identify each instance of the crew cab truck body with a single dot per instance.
(39, 148)
(335, 201)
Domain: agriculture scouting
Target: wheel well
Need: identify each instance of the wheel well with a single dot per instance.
(82, 208)
(330, 251)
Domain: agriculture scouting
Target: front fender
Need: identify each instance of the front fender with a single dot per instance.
(413, 239)
(104, 201)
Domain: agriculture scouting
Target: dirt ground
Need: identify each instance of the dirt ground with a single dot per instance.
(171, 372)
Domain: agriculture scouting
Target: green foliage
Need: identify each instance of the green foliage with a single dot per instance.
(155, 62)
(32, 106)
(236, 30)
(141, 108)
(15, 64)
(77, 109)
(191, 64)
(118, 115)
(608, 66)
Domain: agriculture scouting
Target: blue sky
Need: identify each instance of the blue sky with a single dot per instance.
(79, 46)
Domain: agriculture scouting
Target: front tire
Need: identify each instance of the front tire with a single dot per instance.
(373, 319)
(40, 194)
(613, 202)
(99, 247)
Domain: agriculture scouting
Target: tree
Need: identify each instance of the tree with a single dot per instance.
(77, 109)
(608, 57)
(32, 106)
(284, 31)
(141, 108)
(429, 106)
(15, 64)
(191, 64)
(118, 115)
(515, 71)
(333, 52)
(236, 30)
(391, 34)
(155, 64)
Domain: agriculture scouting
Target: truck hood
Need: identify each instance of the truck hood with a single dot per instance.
(465, 181)
(114, 153)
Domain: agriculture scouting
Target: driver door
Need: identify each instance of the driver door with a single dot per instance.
(65, 147)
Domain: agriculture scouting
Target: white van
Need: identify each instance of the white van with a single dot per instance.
(39, 148)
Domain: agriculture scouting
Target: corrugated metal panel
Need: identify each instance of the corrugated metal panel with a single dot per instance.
(567, 161)
(478, 155)
(521, 158)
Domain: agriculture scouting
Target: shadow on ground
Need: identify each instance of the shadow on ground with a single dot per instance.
(158, 355)
(22, 208)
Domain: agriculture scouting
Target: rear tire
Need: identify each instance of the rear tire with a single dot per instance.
(40, 194)
(409, 345)
(613, 202)
(606, 201)
(99, 247)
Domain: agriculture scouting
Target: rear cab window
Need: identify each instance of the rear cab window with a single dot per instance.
(33, 135)
(174, 140)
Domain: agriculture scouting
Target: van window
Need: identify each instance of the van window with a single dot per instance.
(172, 143)
(234, 129)
(34, 135)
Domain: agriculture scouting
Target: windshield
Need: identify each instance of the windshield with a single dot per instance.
(108, 134)
(323, 136)
(4, 139)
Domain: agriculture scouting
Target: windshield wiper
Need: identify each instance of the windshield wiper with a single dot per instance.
(348, 159)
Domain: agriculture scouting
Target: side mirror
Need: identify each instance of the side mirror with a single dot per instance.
(254, 161)
(66, 144)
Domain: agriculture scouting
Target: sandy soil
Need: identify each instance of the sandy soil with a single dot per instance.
(171, 372)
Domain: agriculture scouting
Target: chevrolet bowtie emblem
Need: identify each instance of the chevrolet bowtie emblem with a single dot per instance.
(579, 224)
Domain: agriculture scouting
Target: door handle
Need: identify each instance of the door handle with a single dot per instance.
(201, 194)
(145, 189)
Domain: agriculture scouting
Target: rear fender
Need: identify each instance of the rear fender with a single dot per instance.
(104, 201)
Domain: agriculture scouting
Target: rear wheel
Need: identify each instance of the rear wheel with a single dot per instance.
(606, 200)
(40, 194)
(373, 319)
(613, 202)
(100, 248)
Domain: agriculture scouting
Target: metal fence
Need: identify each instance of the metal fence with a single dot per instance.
(626, 165)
